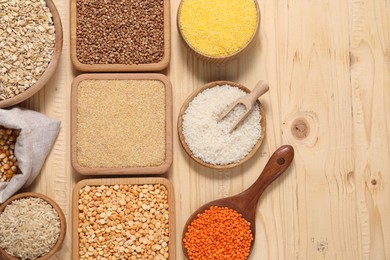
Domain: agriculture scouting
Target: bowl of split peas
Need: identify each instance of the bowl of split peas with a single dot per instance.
(218, 31)
(117, 217)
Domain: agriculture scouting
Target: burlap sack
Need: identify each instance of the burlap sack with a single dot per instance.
(33, 144)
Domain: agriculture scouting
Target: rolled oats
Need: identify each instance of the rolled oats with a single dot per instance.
(27, 41)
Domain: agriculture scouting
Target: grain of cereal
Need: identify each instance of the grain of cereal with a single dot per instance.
(218, 28)
(27, 41)
(29, 228)
(120, 31)
(208, 138)
(121, 123)
(8, 161)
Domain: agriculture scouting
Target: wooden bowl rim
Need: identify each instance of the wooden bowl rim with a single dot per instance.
(142, 67)
(51, 68)
(145, 170)
(220, 59)
(127, 181)
(184, 108)
(57, 208)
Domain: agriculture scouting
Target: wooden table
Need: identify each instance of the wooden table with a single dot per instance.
(328, 67)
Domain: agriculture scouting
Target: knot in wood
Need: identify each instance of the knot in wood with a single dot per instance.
(300, 128)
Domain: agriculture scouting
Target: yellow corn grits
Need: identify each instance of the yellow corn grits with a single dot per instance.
(217, 28)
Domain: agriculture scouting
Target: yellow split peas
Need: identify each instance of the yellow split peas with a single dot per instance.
(218, 28)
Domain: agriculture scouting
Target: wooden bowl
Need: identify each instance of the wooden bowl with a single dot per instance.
(51, 67)
(61, 237)
(158, 66)
(141, 170)
(180, 126)
(219, 59)
(124, 181)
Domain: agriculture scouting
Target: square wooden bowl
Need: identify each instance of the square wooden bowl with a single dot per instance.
(120, 67)
(128, 107)
(123, 181)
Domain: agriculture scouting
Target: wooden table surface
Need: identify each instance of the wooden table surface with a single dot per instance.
(328, 67)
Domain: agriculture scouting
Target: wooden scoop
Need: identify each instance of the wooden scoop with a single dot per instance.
(248, 101)
(246, 202)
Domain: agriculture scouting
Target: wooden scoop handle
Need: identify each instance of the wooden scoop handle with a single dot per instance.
(250, 99)
(276, 165)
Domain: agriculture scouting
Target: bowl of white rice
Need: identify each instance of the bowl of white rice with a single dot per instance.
(32, 226)
(206, 139)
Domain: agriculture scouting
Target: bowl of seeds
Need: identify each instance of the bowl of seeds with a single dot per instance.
(133, 217)
(120, 36)
(218, 31)
(32, 226)
(209, 140)
(31, 44)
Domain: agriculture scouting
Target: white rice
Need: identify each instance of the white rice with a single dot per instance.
(210, 140)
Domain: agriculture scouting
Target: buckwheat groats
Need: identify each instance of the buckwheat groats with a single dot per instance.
(120, 31)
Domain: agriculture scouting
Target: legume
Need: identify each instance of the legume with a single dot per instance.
(218, 28)
(209, 139)
(27, 40)
(218, 233)
(121, 123)
(123, 222)
(120, 31)
(8, 162)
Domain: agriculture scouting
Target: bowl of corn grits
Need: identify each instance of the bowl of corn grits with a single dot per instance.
(32, 226)
(206, 139)
(218, 31)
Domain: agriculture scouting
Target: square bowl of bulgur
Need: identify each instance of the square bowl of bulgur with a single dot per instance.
(121, 124)
(123, 218)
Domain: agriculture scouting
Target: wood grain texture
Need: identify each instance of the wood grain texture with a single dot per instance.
(328, 67)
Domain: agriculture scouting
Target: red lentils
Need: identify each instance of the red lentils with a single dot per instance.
(218, 233)
(8, 162)
(120, 31)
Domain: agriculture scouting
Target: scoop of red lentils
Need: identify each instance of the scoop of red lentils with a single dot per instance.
(8, 162)
(218, 233)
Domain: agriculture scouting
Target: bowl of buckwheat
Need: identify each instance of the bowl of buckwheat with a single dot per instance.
(31, 43)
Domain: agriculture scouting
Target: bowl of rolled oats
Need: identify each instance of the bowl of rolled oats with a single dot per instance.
(30, 43)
